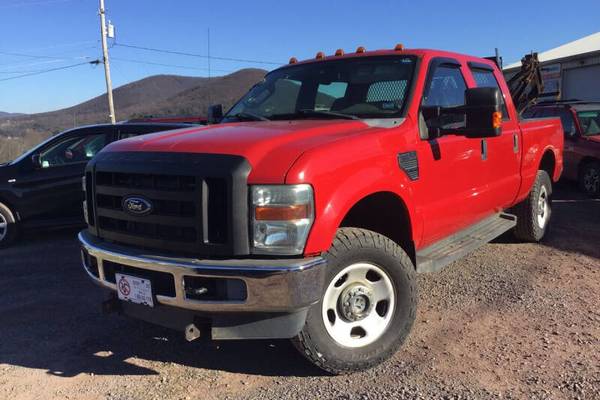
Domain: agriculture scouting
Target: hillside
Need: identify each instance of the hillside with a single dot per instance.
(160, 95)
(7, 114)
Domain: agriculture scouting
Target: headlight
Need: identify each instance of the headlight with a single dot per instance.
(281, 218)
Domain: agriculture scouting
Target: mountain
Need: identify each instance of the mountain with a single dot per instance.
(159, 95)
(8, 115)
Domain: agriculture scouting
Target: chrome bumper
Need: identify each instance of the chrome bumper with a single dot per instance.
(282, 285)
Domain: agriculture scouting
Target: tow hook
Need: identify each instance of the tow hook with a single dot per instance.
(191, 332)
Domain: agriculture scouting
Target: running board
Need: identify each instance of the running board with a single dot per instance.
(446, 251)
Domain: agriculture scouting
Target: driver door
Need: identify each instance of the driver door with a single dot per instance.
(452, 179)
(51, 191)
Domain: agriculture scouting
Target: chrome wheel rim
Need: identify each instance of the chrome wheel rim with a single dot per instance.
(3, 227)
(358, 305)
(591, 180)
(543, 209)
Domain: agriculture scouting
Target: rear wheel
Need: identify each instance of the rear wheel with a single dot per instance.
(589, 179)
(8, 226)
(368, 305)
(533, 213)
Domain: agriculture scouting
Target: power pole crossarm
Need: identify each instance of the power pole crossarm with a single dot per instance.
(111, 106)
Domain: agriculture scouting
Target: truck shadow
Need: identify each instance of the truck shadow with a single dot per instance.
(50, 319)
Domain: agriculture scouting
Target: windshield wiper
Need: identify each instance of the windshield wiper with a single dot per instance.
(248, 116)
(327, 113)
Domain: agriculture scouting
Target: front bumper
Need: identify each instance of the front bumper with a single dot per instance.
(272, 285)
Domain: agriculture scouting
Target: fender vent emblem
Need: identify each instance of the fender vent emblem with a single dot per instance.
(409, 164)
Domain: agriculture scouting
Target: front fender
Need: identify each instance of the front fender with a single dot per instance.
(339, 185)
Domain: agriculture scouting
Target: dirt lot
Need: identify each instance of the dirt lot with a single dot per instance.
(510, 321)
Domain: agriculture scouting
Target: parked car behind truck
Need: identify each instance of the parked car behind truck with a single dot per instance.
(42, 188)
(581, 125)
(307, 212)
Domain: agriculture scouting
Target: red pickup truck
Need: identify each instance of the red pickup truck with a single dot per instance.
(308, 209)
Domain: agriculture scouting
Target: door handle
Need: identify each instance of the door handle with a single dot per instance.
(515, 143)
(484, 149)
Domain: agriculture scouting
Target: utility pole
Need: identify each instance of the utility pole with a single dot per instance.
(208, 61)
(111, 106)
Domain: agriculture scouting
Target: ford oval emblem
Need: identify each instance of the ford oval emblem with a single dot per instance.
(137, 205)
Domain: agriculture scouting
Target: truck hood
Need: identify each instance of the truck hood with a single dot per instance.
(271, 147)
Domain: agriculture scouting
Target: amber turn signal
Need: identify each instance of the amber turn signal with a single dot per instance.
(497, 119)
(282, 213)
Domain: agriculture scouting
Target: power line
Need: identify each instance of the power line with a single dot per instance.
(95, 62)
(181, 53)
(167, 65)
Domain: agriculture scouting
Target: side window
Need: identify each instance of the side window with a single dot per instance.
(568, 122)
(72, 150)
(446, 89)
(327, 95)
(486, 78)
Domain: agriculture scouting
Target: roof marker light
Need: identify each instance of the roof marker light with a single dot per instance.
(361, 49)
(320, 55)
(339, 52)
(293, 60)
(399, 47)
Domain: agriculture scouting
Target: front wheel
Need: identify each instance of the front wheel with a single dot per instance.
(533, 213)
(368, 306)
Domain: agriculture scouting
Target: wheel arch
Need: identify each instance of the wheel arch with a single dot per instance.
(395, 223)
(548, 164)
(583, 162)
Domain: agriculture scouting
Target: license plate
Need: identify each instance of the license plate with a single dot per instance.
(134, 289)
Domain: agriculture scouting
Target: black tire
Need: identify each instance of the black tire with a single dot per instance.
(352, 246)
(9, 231)
(589, 178)
(528, 212)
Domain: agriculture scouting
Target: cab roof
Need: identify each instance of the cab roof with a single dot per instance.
(419, 53)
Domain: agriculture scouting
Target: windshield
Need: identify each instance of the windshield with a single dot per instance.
(589, 122)
(369, 87)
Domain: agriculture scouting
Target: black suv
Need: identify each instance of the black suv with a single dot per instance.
(43, 187)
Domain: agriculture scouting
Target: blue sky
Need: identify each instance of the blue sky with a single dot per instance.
(67, 31)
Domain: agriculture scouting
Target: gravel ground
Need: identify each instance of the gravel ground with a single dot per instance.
(511, 321)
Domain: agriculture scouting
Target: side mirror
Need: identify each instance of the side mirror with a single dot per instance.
(483, 111)
(36, 161)
(215, 114)
(480, 117)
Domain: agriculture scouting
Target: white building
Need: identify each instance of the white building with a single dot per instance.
(570, 71)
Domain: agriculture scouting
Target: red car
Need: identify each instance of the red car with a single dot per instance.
(307, 211)
(581, 124)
